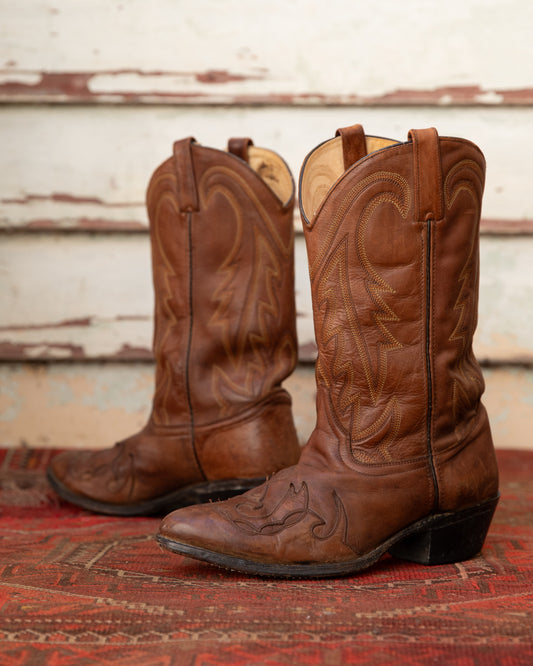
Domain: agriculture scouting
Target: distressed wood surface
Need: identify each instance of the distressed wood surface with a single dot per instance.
(93, 406)
(89, 296)
(240, 52)
(92, 95)
(88, 168)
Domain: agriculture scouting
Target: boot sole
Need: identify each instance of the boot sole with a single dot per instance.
(198, 493)
(441, 538)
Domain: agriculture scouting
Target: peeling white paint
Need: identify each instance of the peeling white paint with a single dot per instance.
(25, 78)
(73, 166)
(91, 296)
(506, 299)
(137, 83)
(103, 157)
(73, 405)
(81, 406)
(490, 97)
(301, 47)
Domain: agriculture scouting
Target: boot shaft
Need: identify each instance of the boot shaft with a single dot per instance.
(393, 250)
(222, 239)
(401, 460)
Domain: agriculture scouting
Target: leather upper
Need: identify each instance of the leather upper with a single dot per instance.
(221, 231)
(393, 251)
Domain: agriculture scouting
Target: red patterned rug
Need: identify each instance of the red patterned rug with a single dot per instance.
(77, 589)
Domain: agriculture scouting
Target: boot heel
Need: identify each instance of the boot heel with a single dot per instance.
(448, 538)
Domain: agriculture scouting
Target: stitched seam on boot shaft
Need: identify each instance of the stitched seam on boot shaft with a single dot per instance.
(427, 182)
(429, 355)
(467, 377)
(189, 344)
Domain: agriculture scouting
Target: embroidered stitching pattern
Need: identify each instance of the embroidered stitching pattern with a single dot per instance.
(256, 360)
(466, 176)
(333, 296)
(339, 331)
(253, 516)
(164, 385)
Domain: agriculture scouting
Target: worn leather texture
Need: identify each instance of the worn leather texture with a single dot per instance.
(401, 433)
(224, 334)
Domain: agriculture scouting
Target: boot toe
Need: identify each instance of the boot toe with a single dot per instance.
(198, 526)
(83, 478)
(66, 468)
(60, 465)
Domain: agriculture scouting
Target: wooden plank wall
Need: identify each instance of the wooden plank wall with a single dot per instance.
(92, 95)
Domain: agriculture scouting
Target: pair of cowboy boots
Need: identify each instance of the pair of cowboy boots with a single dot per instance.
(401, 459)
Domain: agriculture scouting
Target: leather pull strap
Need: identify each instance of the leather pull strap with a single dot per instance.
(427, 174)
(183, 165)
(239, 147)
(353, 144)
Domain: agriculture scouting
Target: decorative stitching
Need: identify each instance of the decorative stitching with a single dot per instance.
(164, 390)
(331, 285)
(466, 176)
(249, 375)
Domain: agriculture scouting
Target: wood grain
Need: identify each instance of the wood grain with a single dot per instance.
(307, 52)
(88, 296)
(92, 96)
(88, 168)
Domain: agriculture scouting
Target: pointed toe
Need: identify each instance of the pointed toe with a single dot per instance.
(58, 468)
(199, 526)
(401, 459)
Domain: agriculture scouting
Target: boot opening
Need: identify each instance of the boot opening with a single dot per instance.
(324, 166)
(273, 170)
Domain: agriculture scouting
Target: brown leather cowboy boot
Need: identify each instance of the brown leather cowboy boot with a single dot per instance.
(401, 459)
(221, 229)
